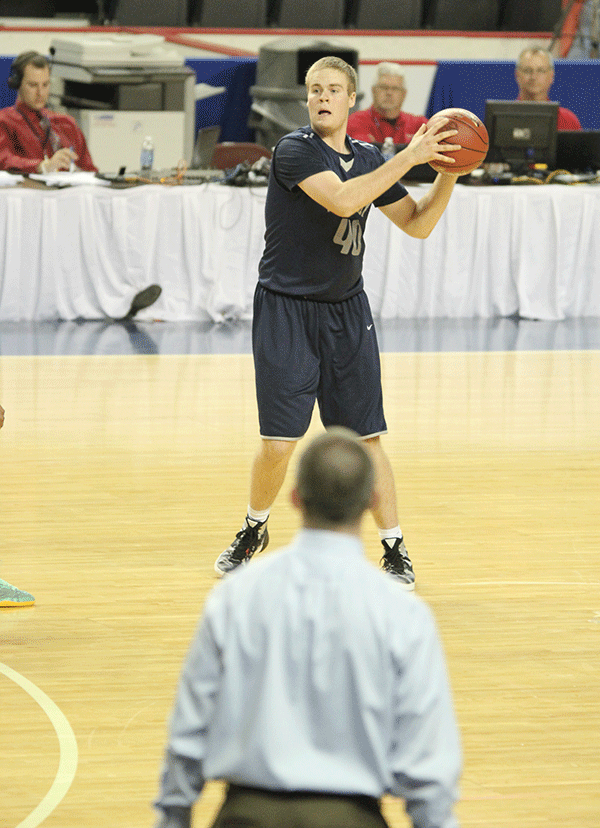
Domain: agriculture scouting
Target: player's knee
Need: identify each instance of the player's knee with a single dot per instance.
(278, 451)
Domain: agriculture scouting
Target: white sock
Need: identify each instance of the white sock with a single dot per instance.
(390, 534)
(259, 517)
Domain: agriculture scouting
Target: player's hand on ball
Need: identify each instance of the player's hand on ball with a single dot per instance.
(429, 141)
(469, 132)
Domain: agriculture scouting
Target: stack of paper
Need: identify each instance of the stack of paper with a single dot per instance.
(9, 179)
(63, 178)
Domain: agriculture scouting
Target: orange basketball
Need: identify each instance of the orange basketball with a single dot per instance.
(472, 136)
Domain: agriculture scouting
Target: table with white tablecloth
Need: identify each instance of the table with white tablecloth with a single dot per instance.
(83, 252)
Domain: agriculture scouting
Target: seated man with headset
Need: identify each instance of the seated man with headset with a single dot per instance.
(33, 139)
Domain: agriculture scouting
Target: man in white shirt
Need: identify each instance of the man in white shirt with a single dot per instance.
(315, 684)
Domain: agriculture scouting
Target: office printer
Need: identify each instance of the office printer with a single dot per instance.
(122, 87)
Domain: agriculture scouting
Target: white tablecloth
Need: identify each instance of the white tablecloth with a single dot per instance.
(497, 251)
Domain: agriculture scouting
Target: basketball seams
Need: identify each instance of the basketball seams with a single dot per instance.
(471, 131)
(461, 127)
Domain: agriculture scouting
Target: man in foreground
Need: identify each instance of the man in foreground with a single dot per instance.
(314, 685)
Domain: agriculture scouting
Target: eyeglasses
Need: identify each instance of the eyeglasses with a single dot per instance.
(389, 88)
(527, 70)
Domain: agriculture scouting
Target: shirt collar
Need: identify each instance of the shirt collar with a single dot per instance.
(380, 117)
(311, 541)
(27, 110)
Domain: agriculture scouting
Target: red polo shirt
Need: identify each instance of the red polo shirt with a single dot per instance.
(24, 142)
(566, 119)
(368, 125)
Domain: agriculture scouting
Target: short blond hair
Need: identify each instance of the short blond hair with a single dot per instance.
(332, 62)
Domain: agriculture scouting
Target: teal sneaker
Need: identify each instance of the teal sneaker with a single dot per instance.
(10, 596)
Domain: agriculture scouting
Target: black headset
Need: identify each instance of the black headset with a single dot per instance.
(17, 69)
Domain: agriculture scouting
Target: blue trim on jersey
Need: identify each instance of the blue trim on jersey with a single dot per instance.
(309, 251)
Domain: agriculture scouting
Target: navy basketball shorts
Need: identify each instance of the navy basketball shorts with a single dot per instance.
(324, 351)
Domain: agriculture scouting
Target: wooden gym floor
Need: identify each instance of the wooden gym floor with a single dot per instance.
(123, 476)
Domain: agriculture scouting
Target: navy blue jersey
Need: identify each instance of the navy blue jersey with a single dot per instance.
(309, 251)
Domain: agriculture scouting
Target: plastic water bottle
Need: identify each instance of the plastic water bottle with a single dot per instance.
(388, 150)
(147, 155)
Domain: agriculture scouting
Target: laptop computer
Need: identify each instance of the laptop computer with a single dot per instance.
(204, 147)
(578, 150)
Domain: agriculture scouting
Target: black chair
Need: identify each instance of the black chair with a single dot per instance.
(27, 8)
(450, 15)
(533, 16)
(82, 8)
(309, 14)
(387, 14)
(231, 153)
(143, 13)
(220, 14)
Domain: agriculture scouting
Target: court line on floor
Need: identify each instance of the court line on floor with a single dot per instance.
(67, 765)
(528, 583)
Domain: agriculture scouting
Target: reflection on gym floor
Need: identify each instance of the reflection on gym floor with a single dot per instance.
(107, 337)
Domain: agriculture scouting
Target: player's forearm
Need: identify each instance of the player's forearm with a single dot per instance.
(355, 193)
(429, 209)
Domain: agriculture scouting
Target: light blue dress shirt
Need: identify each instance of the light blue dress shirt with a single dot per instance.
(312, 670)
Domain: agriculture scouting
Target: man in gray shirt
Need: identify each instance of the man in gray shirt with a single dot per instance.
(314, 683)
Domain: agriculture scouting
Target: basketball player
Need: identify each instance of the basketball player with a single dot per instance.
(10, 596)
(313, 334)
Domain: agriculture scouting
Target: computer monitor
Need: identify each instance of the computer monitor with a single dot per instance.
(578, 150)
(522, 132)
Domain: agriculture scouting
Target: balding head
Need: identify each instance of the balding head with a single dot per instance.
(335, 478)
